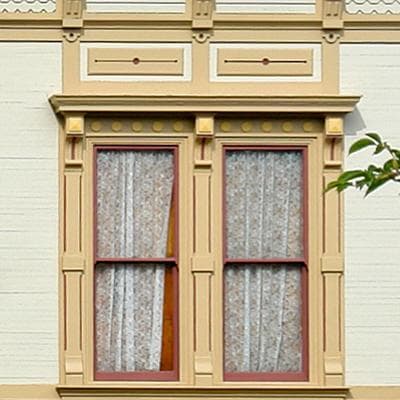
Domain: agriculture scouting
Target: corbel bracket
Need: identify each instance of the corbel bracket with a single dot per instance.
(72, 14)
(332, 14)
(202, 14)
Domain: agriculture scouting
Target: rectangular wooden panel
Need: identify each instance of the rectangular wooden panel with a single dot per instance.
(135, 61)
(136, 6)
(266, 6)
(265, 62)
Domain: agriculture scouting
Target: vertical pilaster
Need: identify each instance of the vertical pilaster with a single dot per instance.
(332, 258)
(73, 262)
(203, 261)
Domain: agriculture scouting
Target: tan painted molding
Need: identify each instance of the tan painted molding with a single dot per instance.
(189, 393)
(128, 103)
(45, 391)
(264, 62)
(135, 61)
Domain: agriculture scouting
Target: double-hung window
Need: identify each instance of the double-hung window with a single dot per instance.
(136, 263)
(265, 279)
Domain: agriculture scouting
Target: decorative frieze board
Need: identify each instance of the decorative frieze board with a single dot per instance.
(136, 62)
(265, 62)
(168, 103)
(373, 7)
(27, 6)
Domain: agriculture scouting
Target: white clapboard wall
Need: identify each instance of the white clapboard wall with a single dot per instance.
(372, 225)
(30, 72)
(136, 6)
(385, 7)
(266, 6)
(27, 6)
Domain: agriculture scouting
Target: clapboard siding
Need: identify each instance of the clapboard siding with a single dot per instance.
(136, 6)
(266, 6)
(30, 72)
(372, 228)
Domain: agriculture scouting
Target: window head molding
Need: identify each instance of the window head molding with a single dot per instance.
(317, 104)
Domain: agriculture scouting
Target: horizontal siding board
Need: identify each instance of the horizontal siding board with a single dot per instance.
(31, 72)
(266, 6)
(150, 6)
(372, 225)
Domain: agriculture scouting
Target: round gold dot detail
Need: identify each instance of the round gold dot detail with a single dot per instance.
(287, 126)
(96, 126)
(225, 126)
(266, 126)
(246, 126)
(308, 126)
(178, 126)
(158, 126)
(116, 126)
(137, 126)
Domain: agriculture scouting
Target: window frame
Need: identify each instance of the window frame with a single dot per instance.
(171, 262)
(304, 261)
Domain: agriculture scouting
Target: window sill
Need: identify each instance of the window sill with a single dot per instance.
(288, 392)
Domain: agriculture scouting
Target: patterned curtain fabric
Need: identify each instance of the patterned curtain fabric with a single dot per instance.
(263, 301)
(134, 190)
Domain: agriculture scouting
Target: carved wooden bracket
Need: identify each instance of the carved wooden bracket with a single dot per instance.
(72, 13)
(332, 14)
(202, 14)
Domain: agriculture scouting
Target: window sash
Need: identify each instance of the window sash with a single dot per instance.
(273, 261)
(170, 261)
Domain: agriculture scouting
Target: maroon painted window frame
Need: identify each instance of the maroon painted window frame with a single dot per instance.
(274, 376)
(171, 262)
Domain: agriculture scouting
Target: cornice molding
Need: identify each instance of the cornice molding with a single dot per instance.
(319, 104)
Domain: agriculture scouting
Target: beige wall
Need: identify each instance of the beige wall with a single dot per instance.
(30, 72)
(372, 229)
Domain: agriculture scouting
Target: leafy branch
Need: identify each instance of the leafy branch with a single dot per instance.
(374, 176)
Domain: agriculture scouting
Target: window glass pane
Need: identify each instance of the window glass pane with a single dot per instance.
(130, 310)
(264, 204)
(134, 197)
(263, 318)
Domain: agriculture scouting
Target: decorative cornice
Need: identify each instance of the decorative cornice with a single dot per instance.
(272, 392)
(126, 103)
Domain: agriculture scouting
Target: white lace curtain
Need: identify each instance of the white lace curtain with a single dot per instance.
(263, 301)
(134, 190)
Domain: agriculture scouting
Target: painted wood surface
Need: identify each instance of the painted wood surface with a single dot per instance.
(372, 228)
(30, 72)
(266, 6)
(136, 6)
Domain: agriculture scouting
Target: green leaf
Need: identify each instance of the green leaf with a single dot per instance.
(388, 166)
(379, 148)
(375, 137)
(376, 184)
(360, 144)
(348, 175)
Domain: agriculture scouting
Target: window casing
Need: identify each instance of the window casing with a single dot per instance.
(201, 253)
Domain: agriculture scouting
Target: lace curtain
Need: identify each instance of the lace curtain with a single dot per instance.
(263, 301)
(134, 190)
